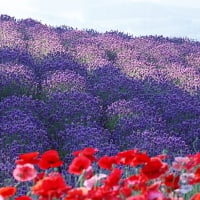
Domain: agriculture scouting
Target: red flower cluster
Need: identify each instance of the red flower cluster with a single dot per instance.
(51, 186)
(153, 178)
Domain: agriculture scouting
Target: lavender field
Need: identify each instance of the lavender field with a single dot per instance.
(66, 89)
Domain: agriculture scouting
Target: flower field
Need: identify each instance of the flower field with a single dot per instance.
(128, 107)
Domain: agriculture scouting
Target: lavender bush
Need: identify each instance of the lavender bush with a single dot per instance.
(16, 79)
(71, 108)
(19, 133)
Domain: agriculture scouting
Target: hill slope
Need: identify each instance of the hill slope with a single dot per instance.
(82, 88)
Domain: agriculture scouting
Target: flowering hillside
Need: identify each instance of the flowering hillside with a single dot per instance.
(67, 89)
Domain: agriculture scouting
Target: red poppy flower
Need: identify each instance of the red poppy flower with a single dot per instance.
(50, 159)
(7, 192)
(137, 197)
(196, 196)
(25, 172)
(30, 158)
(38, 177)
(139, 158)
(87, 152)
(172, 182)
(114, 177)
(136, 182)
(162, 156)
(153, 192)
(197, 175)
(106, 162)
(79, 164)
(103, 193)
(51, 186)
(125, 157)
(194, 161)
(125, 191)
(23, 198)
(196, 178)
(77, 194)
(154, 168)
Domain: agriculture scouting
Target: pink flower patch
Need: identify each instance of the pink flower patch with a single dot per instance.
(90, 183)
(25, 172)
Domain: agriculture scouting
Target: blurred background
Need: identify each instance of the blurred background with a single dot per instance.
(171, 18)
